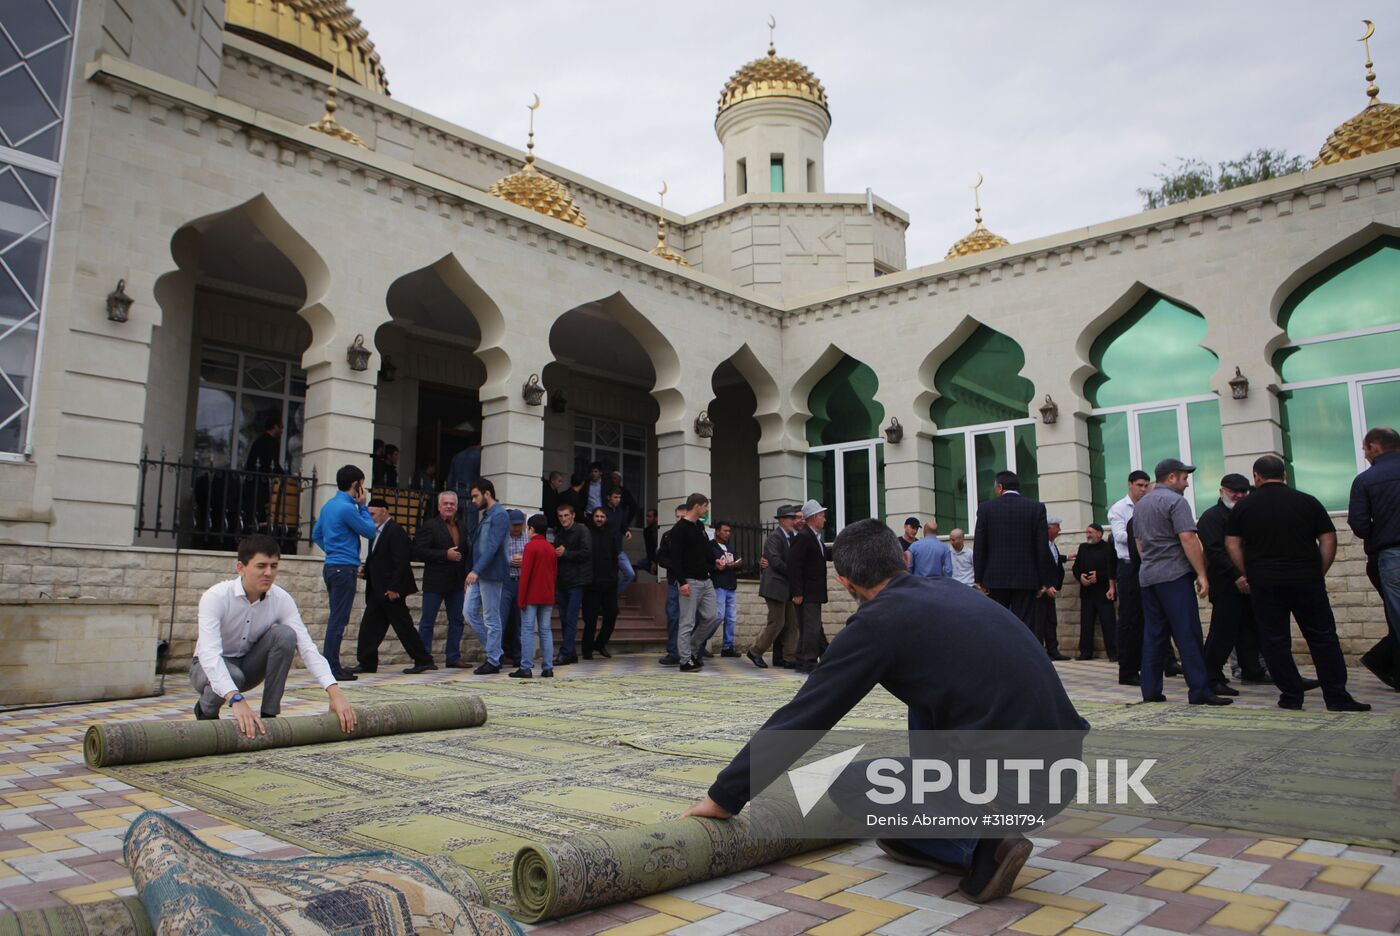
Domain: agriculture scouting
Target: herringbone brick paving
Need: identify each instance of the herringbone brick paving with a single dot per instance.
(61, 828)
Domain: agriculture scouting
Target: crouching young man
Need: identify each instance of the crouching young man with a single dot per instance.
(955, 657)
(249, 630)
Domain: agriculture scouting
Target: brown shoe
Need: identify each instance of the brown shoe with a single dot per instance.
(458, 664)
(993, 880)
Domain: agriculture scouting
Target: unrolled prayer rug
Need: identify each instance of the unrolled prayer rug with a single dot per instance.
(112, 743)
(121, 917)
(562, 758)
(188, 887)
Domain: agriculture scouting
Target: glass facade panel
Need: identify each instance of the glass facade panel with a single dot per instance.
(775, 175)
(950, 481)
(234, 404)
(821, 480)
(856, 485)
(1207, 452)
(1362, 291)
(1157, 438)
(1109, 461)
(1027, 467)
(617, 446)
(1152, 352)
(1380, 404)
(843, 405)
(1318, 442)
(213, 430)
(1363, 354)
(989, 457)
(981, 383)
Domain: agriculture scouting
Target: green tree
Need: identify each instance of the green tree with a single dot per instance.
(1192, 178)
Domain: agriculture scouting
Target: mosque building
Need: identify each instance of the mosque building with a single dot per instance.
(215, 215)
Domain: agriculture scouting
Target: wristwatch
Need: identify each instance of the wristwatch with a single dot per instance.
(236, 697)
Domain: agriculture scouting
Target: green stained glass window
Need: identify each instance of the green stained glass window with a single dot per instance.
(1027, 467)
(821, 477)
(1381, 403)
(1207, 451)
(1110, 461)
(1363, 354)
(1318, 443)
(1152, 352)
(843, 405)
(1362, 291)
(775, 175)
(981, 382)
(950, 481)
(989, 457)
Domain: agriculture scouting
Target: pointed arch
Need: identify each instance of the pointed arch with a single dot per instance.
(842, 404)
(1148, 347)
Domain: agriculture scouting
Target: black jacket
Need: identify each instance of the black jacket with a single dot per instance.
(1010, 548)
(1374, 512)
(440, 574)
(388, 567)
(576, 565)
(603, 547)
(806, 564)
(956, 658)
(692, 557)
(1095, 557)
(724, 578)
(1220, 571)
(773, 581)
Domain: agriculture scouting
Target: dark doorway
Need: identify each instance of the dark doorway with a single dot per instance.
(449, 419)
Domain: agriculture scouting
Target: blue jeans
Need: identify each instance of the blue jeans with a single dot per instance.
(570, 603)
(626, 574)
(728, 601)
(1170, 612)
(342, 581)
(484, 615)
(510, 618)
(534, 621)
(673, 617)
(1388, 567)
(432, 601)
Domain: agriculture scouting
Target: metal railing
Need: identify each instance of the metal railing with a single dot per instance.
(746, 542)
(194, 506)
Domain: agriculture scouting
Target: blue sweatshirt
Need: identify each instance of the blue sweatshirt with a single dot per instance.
(339, 527)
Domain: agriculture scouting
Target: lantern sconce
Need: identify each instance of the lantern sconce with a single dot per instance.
(704, 426)
(557, 402)
(1239, 385)
(357, 354)
(388, 370)
(894, 432)
(119, 303)
(533, 391)
(1050, 412)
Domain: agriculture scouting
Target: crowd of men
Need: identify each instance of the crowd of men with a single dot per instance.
(1260, 555)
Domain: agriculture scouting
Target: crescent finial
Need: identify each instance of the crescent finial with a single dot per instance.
(535, 105)
(1370, 30)
(664, 188)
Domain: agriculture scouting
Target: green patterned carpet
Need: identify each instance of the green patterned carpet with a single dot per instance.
(561, 757)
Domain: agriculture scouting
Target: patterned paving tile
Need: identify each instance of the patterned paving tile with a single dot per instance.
(61, 829)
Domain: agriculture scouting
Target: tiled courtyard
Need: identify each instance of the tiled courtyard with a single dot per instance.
(61, 829)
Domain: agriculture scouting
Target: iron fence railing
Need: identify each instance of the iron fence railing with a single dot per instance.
(746, 542)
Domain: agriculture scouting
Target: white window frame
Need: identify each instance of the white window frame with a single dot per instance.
(870, 447)
(286, 396)
(53, 169)
(1008, 428)
(1183, 431)
(1354, 384)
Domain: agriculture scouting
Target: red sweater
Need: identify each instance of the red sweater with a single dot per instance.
(538, 569)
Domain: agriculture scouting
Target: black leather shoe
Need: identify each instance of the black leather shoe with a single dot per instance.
(691, 666)
(345, 675)
(1057, 657)
(486, 669)
(588, 654)
(1377, 670)
(1310, 684)
(669, 660)
(1214, 700)
(201, 716)
(756, 660)
(1129, 681)
(1224, 689)
(565, 660)
(603, 652)
(1156, 698)
(729, 652)
(1350, 705)
(421, 668)
(547, 674)
(1293, 705)
(522, 674)
(1172, 671)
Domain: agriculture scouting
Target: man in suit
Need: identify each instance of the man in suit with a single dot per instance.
(438, 545)
(807, 576)
(1047, 621)
(1012, 563)
(388, 583)
(487, 579)
(775, 591)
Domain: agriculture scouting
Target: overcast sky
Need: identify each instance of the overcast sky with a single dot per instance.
(1067, 108)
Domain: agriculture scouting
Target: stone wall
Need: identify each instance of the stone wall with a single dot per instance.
(75, 651)
(149, 575)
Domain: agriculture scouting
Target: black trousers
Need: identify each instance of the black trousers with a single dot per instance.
(1094, 606)
(1018, 601)
(1311, 608)
(1385, 655)
(1129, 621)
(381, 614)
(601, 600)
(1232, 627)
(809, 633)
(1047, 625)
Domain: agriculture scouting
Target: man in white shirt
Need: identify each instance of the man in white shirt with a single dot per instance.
(962, 557)
(249, 630)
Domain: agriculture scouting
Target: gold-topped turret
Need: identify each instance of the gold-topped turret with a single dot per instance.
(1374, 130)
(662, 249)
(980, 238)
(329, 125)
(530, 188)
(326, 33)
(773, 76)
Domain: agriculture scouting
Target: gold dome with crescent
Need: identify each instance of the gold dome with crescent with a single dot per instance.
(978, 240)
(1374, 130)
(325, 33)
(773, 76)
(532, 189)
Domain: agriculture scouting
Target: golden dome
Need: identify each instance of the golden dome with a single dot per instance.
(1374, 130)
(773, 76)
(530, 188)
(979, 240)
(325, 33)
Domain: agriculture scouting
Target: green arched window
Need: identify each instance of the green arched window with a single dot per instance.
(1152, 400)
(1340, 368)
(984, 426)
(845, 467)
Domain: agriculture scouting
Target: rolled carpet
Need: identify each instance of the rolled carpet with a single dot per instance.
(124, 916)
(108, 745)
(597, 869)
